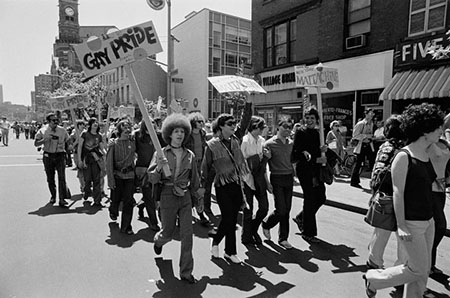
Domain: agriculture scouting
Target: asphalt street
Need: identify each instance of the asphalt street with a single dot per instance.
(47, 251)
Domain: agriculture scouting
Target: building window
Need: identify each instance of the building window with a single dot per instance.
(358, 19)
(128, 94)
(231, 59)
(279, 43)
(231, 34)
(293, 35)
(427, 16)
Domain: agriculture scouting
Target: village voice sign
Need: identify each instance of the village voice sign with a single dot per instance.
(115, 49)
(309, 76)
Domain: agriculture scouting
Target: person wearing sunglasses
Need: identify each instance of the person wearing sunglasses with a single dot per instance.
(278, 151)
(54, 140)
(225, 156)
(196, 142)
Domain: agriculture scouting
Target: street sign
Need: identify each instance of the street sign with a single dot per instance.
(118, 48)
(311, 77)
(177, 80)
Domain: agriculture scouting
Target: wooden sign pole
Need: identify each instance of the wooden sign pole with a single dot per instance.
(145, 115)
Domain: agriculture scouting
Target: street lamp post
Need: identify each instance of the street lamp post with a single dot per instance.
(158, 5)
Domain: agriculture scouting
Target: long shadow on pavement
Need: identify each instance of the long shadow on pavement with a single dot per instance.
(50, 209)
(244, 277)
(338, 254)
(273, 256)
(170, 286)
(125, 241)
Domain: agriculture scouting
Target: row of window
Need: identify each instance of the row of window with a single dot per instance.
(279, 40)
(221, 33)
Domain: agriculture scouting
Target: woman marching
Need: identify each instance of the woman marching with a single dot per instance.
(224, 155)
(179, 191)
(412, 179)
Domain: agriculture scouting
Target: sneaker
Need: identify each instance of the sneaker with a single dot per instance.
(233, 258)
(266, 233)
(285, 244)
(372, 265)
(113, 216)
(369, 292)
(357, 185)
(310, 239)
(215, 251)
(157, 249)
(435, 270)
(63, 204)
(190, 279)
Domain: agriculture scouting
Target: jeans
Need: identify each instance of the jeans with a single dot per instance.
(377, 245)
(366, 150)
(313, 198)
(282, 193)
(5, 136)
(91, 174)
(440, 222)
(149, 199)
(250, 224)
(414, 273)
(56, 162)
(171, 208)
(229, 198)
(123, 191)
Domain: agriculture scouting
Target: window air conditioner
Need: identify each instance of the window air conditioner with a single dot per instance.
(354, 42)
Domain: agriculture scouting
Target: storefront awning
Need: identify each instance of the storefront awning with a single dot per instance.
(418, 84)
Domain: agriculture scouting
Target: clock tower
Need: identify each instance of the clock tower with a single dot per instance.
(69, 33)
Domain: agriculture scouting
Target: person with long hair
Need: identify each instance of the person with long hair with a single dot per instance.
(225, 156)
(412, 178)
(381, 181)
(90, 151)
(120, 171)
(196, 142)
(145, 150)
(179, 191)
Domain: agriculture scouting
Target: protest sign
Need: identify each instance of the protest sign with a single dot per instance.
(119, 112)
(311, 77)
(235, 84)
(115, 49)
(73, 101)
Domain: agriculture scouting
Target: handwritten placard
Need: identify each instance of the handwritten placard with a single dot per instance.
(73, 101)
(115, 49)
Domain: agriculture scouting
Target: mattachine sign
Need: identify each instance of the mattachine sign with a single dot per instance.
(310, 76)
(115, 49)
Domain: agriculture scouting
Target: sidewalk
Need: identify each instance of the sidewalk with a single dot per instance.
(341, 195)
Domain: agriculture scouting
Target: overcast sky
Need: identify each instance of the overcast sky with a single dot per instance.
(29, 28)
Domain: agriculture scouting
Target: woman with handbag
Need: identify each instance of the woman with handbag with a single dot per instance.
(381, 181)
(412, 178)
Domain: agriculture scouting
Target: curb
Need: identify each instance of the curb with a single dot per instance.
(348, 207)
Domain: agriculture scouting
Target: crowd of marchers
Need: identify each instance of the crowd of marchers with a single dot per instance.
(234, 159)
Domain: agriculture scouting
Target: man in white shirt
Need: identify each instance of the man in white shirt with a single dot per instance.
(363, 132)
(255, 184)
(5, 126)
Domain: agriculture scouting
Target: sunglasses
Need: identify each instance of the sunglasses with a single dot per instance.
(287, 126)
(200, 121)
(54, 120)
(230, 123)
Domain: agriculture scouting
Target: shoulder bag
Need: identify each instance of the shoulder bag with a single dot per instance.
(381, 209)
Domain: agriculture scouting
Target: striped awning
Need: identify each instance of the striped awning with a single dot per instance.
(418, 84)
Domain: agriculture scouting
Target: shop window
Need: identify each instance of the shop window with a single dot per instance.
(427, 16)
(279, 43)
